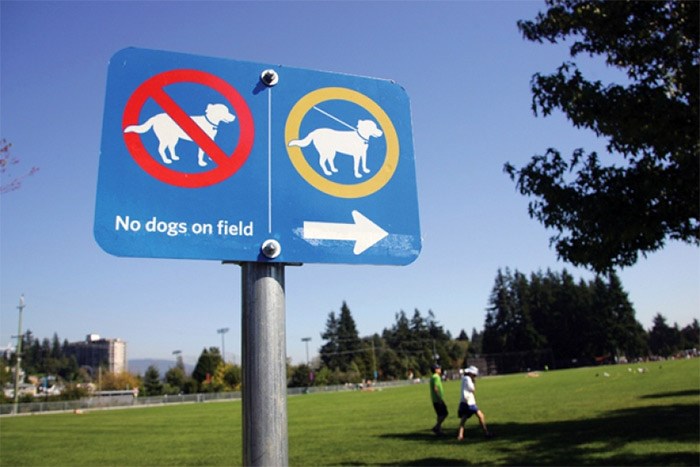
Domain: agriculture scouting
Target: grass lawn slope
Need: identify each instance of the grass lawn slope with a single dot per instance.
(636, 414)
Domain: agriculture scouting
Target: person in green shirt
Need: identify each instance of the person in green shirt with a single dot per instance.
(437, 396)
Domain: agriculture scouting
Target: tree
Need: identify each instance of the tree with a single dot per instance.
(329, 350)
(7, 162)
(690, 335)
(664, 340)
(509, 326)
(119, 381)
(343, 346)
(207, 364)
(475, 342)
(391, 365)
(349, 343)
(607, 215)
(175, 377)
(232, 376)
(300, 377)
(578, 323)
(152, 385)
(625, 333)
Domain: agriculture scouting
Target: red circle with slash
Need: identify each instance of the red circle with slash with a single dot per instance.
(225, 164)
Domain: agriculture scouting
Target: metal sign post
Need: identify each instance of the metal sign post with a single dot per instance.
(264, 365)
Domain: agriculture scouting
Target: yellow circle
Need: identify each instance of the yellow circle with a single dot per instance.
(341, 190)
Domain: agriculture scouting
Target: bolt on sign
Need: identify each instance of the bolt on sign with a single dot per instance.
(208, 158)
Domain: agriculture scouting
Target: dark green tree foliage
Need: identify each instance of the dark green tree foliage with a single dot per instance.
(418, 343)
(690, 336)
(509, 326)
(207, 365)
(664, 340)
(47, 357)
(476, 340)
(343, 346)
(606, 215)
(409, 346)
(580, 323)
(330, 350)
(300, 377)
(152, 385)
(175, 377)
(349, 342)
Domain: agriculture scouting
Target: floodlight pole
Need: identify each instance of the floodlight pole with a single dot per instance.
(223, 331)
(306, 340)
(177, 354)
(19, 354)
(264, 365)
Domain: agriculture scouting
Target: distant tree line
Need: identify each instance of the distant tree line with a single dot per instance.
(49, 357)
(50, 360)
(408, 347)
(580, 323)
(577, 323)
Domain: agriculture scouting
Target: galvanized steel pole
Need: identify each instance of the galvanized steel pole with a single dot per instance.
(264, 365)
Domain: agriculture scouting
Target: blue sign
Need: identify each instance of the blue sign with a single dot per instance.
(207, 158)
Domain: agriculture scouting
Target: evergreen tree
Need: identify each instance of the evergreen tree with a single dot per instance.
(391, 365)
(476, 339)
(569, 304)
(664, 340)
(690, 336)
(398, 339)
(498, 315)
(344, 346)
(329, 350)
(349, 343)
(207, 365)
(524, 336)
(580, 323)
(628, 335)
(152, 385)
(56, 350)
(176, 377)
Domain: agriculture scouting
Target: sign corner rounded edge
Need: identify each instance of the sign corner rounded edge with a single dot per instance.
(123, 51)
(97, 234)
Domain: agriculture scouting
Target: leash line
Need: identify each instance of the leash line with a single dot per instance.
(334, 118)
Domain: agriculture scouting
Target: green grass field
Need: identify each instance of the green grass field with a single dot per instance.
(571, 417)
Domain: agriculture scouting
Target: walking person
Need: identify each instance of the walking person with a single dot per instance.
(437, 395)
(467, 403)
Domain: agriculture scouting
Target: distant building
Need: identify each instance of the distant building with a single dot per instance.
(95, 351)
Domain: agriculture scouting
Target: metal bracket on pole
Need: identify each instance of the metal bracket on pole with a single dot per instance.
(264, 360)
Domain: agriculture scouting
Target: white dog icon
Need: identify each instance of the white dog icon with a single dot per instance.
(329, 142)
(169, 133)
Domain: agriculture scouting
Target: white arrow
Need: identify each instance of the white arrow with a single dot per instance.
(363, 232)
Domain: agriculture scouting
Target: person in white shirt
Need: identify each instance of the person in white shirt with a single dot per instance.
(467, 403)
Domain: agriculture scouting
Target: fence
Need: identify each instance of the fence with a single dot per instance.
(90, 403)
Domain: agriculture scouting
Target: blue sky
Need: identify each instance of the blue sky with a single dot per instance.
(466, 70)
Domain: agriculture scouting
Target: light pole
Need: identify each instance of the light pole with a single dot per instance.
(19, 353)
(306, 340)
(177, 356)
(223, 331)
